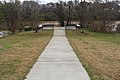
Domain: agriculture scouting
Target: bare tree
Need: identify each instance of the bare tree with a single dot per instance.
(70, 3)
(81, 10)
(10, 16)
(59, 11)
(104, 12)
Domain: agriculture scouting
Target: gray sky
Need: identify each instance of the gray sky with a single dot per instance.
(42, 1)
(47, 1)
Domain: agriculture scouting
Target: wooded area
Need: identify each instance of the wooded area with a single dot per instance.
(97, 15)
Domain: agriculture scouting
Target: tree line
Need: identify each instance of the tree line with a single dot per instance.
(98, 14)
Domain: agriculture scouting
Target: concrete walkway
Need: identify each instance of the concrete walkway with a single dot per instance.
(58, 61)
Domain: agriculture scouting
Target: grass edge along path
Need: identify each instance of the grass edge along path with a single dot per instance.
(19, 52)
(100, 57)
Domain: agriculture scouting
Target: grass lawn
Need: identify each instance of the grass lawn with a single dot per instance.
(19, 52)
(98, 52)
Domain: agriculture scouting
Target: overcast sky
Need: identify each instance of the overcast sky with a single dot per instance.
(45, 1)
(41, 1)
(48, 1)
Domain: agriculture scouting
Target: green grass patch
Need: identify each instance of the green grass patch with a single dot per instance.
(110, 37)
(19, 52)
(98, 52)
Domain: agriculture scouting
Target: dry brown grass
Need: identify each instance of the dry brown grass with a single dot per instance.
(19, 52)
(100, 58)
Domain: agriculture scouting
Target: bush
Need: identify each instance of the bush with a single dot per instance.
(97, 26)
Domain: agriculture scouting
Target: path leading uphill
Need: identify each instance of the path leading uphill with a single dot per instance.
(58, 61)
